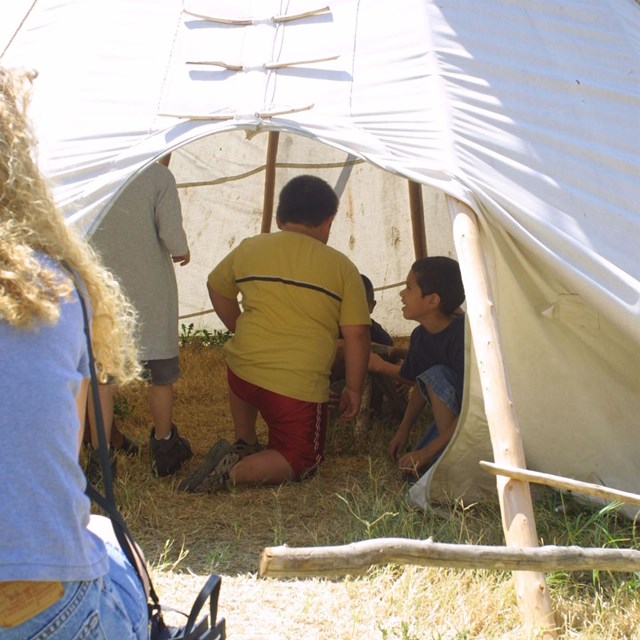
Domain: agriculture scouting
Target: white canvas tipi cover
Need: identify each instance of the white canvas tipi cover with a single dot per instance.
(527, 112)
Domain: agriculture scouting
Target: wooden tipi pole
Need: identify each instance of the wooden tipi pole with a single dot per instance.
(269, 181)
(515, 498)
(416, 208)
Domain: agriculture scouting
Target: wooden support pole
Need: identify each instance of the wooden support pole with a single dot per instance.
(515, 498)
(586, 488)
(358, 557)
(416, 208)
(270, 181)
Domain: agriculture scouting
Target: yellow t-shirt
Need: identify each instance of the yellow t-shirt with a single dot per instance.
(295, 292)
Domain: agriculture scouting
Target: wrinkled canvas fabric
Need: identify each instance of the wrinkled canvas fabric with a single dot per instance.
(533, 125)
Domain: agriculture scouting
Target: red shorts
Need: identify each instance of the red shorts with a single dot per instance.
(297, 429)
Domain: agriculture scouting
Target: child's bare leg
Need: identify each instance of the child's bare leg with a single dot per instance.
(244, 418)
(266, 467)
(445, 419)
(160, 398)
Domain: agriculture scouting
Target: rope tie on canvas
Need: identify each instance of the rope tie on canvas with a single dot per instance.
(266, 66)
(247, 22)
(256, 115)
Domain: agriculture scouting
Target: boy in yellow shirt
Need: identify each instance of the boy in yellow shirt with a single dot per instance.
(296, 293)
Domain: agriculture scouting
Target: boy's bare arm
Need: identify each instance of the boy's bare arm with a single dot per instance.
(377, 364)
(356, 345)
(228, 309)
(390, 351)
(399, 353)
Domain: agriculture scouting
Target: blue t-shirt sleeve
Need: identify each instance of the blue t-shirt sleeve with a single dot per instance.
(409, 367)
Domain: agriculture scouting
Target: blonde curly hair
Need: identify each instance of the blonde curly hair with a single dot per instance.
(31, 292)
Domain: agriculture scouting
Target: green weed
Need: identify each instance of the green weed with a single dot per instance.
(190, 336)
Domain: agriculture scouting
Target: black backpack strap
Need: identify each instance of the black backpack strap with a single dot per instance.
(194, 629)
(107, 502)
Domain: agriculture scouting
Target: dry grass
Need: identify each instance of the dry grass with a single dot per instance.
(356, 495)
(226, 531)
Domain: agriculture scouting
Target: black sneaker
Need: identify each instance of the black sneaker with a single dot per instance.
(213, 473)
(167, 456)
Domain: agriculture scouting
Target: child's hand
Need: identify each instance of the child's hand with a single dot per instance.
(349, 406)
(403, 388)
(397, 445)
(413, 462)
(183, 260)
(391, 354)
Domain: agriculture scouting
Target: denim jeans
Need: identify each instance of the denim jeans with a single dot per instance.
(113, 607)
(441, 380)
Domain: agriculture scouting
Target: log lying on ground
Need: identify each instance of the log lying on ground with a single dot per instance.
(358, 557)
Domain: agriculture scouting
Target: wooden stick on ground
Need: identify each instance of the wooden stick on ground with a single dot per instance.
(358, 557)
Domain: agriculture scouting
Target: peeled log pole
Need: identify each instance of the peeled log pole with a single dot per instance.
(418, 229)
(515, 498)
(586, 488)
(270, 181)
(359, 557)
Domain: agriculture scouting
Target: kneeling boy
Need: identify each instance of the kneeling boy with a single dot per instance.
(296, 292)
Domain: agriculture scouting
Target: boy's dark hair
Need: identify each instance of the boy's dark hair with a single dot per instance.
(307, 200)
(368, 288)
(440, 275)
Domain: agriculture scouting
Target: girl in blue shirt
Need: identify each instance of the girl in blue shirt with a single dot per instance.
(61, 573)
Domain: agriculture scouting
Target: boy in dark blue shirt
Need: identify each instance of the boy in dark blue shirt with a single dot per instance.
(434, 361)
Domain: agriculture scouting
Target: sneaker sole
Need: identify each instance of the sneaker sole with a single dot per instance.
(215, 455)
